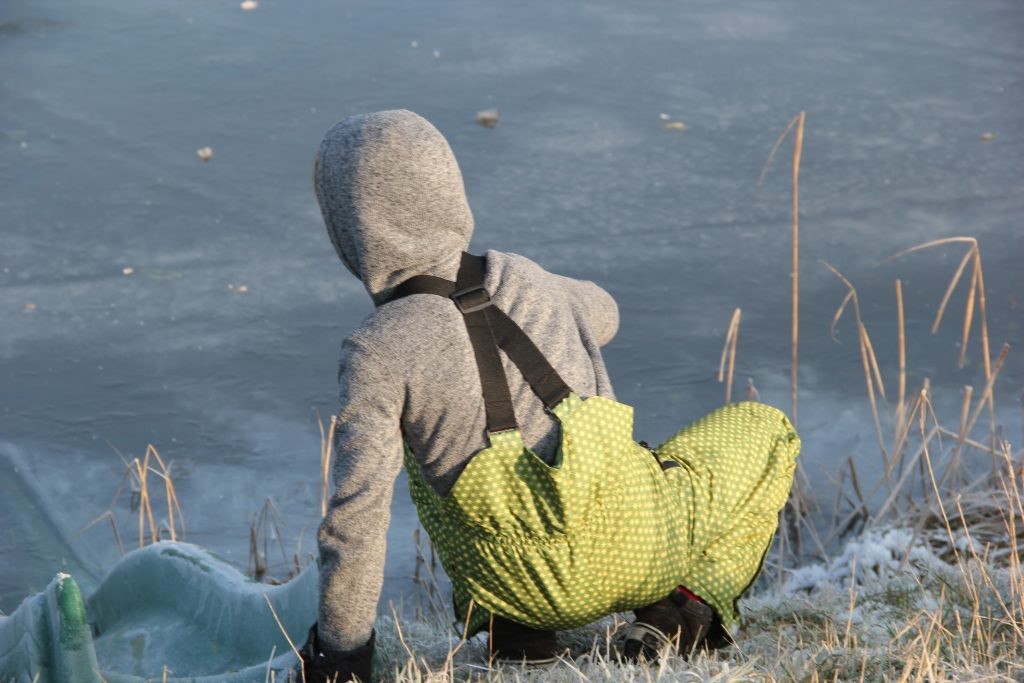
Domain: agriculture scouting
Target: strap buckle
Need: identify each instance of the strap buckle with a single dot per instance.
(469, 301)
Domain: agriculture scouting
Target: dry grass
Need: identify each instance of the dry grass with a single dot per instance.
(872, 375)
(798, 146)
(266, 529)
(976, 293)
(727, 365)
(136, 476)
(291, 643)
(326, 451)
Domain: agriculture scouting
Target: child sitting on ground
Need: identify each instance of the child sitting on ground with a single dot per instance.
(483, 376)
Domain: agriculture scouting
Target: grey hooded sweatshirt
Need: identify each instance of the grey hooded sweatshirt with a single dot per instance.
(394, 205)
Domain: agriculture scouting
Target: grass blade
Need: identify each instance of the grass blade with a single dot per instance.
(729, 354)
(798, 146)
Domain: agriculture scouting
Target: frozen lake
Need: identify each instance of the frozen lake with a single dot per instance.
(222, 343)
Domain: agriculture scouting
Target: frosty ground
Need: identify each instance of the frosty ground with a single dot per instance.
(889, 607)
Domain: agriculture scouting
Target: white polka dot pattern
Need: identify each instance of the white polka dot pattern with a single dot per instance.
(605, 529)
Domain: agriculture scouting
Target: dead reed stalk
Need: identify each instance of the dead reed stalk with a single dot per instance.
(170, 493)
(291, 644)
(266, 526)
(872, 374)
(975, 297)
(141, 473)
(902, 349)
(109, 516)
(136, 474)
(725, 371)
(798, 146)
(430, 583)
(326, 449)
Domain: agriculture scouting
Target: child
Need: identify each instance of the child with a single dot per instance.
(545, 513)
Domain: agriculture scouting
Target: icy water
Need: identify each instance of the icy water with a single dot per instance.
(220, 343)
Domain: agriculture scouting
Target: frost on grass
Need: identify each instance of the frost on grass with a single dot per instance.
(889, 607)
(886, 607)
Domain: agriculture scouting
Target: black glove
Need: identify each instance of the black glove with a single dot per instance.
(321, 666)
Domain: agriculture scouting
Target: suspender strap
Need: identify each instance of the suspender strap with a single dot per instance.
(475, 303)
(424, 284)
(490, 328)
(537, 371)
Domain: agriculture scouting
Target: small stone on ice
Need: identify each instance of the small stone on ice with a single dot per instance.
(127, 270)
(205, 153)
(675, 125)
(488, 118)
(663, 116)
(987, 137)
(414, 44)
(30, 306)
(437, 54)
(249, 5)
(24, 145)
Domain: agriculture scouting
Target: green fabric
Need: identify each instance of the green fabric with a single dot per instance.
(605, 529)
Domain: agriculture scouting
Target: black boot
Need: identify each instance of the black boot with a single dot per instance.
(677, 620)
(718, 635)
(514, 643)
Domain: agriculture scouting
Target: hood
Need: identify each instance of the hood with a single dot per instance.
(392, 199)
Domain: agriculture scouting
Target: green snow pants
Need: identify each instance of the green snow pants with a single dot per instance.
(611, 526)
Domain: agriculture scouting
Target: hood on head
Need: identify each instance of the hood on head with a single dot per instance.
(392, 199)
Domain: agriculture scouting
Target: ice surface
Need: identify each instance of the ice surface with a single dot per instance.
(37, 541)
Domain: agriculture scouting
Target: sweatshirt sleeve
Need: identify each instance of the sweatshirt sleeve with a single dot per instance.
(367, 459)
(595, 305)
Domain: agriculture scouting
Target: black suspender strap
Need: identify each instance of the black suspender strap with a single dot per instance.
(490, 328)
(475, 303)
(423, 284)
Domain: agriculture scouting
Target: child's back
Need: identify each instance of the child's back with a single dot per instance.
(393, 201)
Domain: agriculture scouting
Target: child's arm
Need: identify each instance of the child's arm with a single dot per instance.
(367, 459)
(593, 304)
